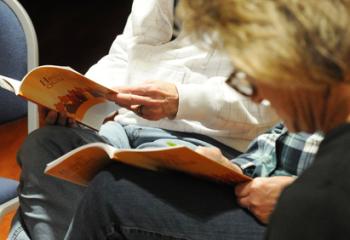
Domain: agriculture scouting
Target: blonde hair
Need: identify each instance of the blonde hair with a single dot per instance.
(286, 42)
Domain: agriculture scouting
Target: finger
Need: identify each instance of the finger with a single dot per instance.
(51, 118)
(125, 101)
(211, 152)
(131, 99)
(72, 123)
(148, 88)
(152, 114)
(244, 202)
(110, 117)
(43, 111)
(208, 150)
(148, 113)
(111, 96)
(242, 189)
(62, 119)
(137, 109)
(201, 150)
(140, 90)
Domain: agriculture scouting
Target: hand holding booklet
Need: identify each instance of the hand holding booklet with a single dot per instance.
(82, 164)
(62, 89)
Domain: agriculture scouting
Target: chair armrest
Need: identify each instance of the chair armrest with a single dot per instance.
(8, 206)
(33, 117)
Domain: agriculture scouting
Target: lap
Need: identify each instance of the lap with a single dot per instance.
(150, 137)
(49, 143)
(142, 204)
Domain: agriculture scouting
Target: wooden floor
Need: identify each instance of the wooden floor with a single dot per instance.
(11, 137)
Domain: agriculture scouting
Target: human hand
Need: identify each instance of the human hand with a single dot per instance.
(216, 154)
(50, 117)
(152, 100)
(261, 194)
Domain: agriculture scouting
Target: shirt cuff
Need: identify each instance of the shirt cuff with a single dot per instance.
(193, 102)
(247, 167)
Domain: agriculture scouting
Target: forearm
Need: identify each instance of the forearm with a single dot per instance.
(218, 107)
(260, 159)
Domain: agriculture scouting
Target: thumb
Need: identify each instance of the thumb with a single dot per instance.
(111, 96)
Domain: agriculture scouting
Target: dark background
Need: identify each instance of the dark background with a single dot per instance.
(76, 33)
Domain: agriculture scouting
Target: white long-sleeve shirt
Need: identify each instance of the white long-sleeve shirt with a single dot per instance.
(206, 104)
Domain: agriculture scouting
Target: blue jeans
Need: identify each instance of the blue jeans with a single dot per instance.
(47, 204)
(127, 203)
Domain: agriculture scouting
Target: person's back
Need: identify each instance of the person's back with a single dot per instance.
(321, 194)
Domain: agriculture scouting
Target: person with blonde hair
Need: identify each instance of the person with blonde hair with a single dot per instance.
(296, 54)
(293, 53)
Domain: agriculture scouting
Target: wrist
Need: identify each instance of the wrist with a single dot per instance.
(173, 104)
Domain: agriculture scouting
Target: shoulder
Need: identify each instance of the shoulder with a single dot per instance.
(311, 209)
(298, 215)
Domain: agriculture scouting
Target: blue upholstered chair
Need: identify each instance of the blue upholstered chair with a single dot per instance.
(18, 54)
(8, 195)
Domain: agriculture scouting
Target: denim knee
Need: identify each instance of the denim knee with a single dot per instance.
(47, 143)
(33, 148)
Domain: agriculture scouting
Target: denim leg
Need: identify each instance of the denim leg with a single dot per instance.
(17, 231)
(149, 137)
(47, 203)
(128, 203)
(115, 134)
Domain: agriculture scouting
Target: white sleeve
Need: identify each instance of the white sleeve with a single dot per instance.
(150, 22)
(217, 106)
(111, 70)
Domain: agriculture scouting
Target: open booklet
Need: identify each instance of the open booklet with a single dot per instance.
(64, 90)
(82, 164)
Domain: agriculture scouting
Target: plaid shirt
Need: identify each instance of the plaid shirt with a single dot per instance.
(279, 153)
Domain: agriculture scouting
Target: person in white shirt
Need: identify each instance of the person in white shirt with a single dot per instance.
(184, 99)
(147, 51)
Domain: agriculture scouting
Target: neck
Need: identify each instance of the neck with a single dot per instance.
(337, 108)
(348, 119)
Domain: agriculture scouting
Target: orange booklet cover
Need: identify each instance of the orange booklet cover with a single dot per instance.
(82, 164)
(64, 90)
